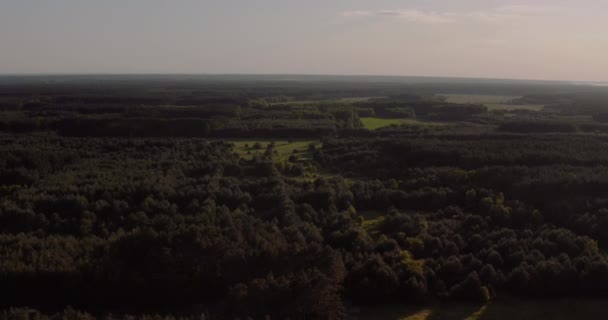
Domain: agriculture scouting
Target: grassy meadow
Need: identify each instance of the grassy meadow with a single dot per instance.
(372, 123)
(376, 123)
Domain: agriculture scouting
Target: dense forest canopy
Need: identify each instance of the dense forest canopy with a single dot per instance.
(297, 196)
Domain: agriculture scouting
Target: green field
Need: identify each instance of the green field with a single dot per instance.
(498, 310)
(493, 102)
(299, 148)
(376, 123)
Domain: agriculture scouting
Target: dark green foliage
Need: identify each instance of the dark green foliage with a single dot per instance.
(123, 199)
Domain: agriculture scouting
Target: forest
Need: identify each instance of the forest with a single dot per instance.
(308, 197)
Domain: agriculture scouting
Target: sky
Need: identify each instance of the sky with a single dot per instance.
(534, 39)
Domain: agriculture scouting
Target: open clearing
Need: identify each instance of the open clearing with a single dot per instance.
(284, 148)
(493, 102)
(371, 123)
(376, 123)
(498, 310)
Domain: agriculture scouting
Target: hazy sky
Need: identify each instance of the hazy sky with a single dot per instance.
(535, 39)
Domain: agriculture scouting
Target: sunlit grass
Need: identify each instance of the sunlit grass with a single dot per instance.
(376, 123)
(371, 123)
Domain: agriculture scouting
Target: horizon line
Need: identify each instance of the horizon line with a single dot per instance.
(34, 74)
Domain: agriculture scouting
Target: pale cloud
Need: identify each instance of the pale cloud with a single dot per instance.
(417, 16)
(356, 13)
(499, 14)
(530, 9)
